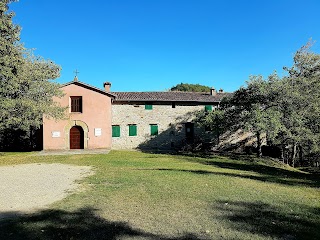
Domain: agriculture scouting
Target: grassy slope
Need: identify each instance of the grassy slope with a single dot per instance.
(149, 196)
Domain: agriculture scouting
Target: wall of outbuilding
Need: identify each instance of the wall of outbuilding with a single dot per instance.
(171, 124)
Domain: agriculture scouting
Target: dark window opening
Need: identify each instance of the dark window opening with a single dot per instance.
(207, 128)
(76, 104)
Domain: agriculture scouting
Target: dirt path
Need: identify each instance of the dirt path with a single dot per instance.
(28, 187)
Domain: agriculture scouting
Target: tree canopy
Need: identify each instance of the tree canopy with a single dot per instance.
(186, 87)
(26, 81)
(286, 110)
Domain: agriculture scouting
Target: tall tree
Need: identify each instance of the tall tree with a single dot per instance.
(286, 110)
(254, 110)
(300, 104)
(26, 86)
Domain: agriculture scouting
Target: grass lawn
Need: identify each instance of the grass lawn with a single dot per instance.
(135, 195)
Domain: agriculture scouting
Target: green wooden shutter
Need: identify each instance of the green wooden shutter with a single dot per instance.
(132, 130)
(154, 129)
(115, 131)
(208, 108)
(148, 107)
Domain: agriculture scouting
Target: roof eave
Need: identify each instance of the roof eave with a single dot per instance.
(153, 100)
(89, 87)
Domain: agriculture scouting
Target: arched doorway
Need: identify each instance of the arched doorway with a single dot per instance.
(76, 137)
(83, 126)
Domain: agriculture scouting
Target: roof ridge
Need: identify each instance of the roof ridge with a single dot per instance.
(158, 92)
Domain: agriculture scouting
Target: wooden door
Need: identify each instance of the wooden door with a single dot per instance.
(189, 132)
(76, 138)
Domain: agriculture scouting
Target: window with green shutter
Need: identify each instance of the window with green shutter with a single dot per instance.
(148, 106)
(208, 108)
(153, 129)
(132, 130)
(115, 131)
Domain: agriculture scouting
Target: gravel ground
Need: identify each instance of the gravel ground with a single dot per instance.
(30, 187)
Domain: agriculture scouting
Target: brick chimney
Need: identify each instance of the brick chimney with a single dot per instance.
(107, 86)
(213, 91)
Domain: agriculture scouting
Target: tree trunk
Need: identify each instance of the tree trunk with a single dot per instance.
(259, 152)
(294, 153)
(282, 152)
(269, 142)
(31, 138)
(300, 155)
(217, 136)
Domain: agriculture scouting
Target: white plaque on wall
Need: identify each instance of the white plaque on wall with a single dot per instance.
(97, 132)
(56, 134)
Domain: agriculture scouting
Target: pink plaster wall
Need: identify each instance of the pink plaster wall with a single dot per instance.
(96, 113)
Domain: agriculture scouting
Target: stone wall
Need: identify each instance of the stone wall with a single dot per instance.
(171, 125)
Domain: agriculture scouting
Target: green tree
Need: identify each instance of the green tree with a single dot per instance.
(286, 110)
(185, 87)
(300, 106)
(213, 121)
(252, 108)
(26, 86)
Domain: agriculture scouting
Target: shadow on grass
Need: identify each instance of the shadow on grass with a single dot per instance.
(270, 173)
(263, 219)
(249, 164)
(82, 224)
(273, 175)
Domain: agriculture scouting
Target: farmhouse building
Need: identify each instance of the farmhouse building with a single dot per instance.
(102, 119)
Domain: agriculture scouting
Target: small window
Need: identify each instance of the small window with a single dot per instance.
(115, 131)
(208, 108)
(132, 130)
(153, 129)
(173, 105)
(76, 104)
(148, 106)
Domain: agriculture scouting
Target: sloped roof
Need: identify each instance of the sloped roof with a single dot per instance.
(174, 96)
(168, 97)
(82, 84)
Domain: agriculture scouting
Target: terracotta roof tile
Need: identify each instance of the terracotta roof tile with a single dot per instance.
(168, 97)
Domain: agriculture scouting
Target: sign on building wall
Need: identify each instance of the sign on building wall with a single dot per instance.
(97, 132)
(56, 134)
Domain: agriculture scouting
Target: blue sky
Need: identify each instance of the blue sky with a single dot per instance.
(152, 45)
